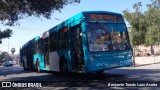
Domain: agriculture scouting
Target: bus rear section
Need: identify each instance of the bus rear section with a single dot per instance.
(106, 42)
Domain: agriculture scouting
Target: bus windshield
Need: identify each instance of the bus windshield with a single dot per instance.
(107, 36)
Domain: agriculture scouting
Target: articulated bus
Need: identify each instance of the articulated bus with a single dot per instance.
(91, 41)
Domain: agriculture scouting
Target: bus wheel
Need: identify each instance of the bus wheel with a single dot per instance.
(100, 72)
(38, 66)
(63, 67)
(24, 66)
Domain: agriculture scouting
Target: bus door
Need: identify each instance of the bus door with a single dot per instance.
(46, 52)
(76, 48)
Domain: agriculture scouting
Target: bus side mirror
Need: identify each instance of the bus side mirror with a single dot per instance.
(81, 34)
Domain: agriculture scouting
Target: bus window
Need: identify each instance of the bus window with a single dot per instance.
(36, 47)
(53, 41)
(119, 40)
(106, 37)
(39, 46)
(99, 38)
(63, 38)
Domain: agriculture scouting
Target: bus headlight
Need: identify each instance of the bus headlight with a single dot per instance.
(91, 57)
(129, 54)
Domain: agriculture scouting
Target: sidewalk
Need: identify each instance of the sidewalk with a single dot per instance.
(146, 60)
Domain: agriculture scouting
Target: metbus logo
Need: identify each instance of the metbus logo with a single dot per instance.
(6, 84)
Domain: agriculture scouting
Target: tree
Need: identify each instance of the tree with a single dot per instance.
(138, 25)
(13, 50)
(145, 26)
(13, 10)
(153, 23)
(6, 33)
(4, 56)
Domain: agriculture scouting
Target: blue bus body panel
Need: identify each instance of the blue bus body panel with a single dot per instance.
(41, 60)
(108, 60)
(39, 56)
(37, 38)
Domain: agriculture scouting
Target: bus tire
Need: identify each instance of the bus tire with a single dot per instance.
(24, 66)
(100, 72)
(38, 66)
(63, 66)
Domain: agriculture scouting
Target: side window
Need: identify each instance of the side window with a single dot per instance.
(40, 45)
(53, 41)
(35, 46)
(63, 38)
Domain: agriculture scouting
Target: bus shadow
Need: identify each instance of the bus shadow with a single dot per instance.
(83, 80)
(68, 80)
(89, 76)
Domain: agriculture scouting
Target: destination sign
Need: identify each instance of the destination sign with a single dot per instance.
(108, 17)
(103, 17)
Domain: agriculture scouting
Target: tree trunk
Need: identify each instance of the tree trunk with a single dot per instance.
(133, 56)
(152, 50)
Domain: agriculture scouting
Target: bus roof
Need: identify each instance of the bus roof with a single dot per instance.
(101, 12)
(72, 21)
(77, 19)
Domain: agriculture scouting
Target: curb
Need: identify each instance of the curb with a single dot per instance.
(137, 65)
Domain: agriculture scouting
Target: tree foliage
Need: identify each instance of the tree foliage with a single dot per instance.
(153, 23)
(145, 26)
(6, 33)
(13, 10)
(4, 56)
(13, 50)
(137, 22)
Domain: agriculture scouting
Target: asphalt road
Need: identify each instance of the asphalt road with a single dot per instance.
(108, 80)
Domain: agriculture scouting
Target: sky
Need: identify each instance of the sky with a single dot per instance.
(31, 27)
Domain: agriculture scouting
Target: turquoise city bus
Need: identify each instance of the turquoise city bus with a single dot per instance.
(91, 41)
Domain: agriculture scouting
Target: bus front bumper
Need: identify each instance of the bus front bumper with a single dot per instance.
(105, 65)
